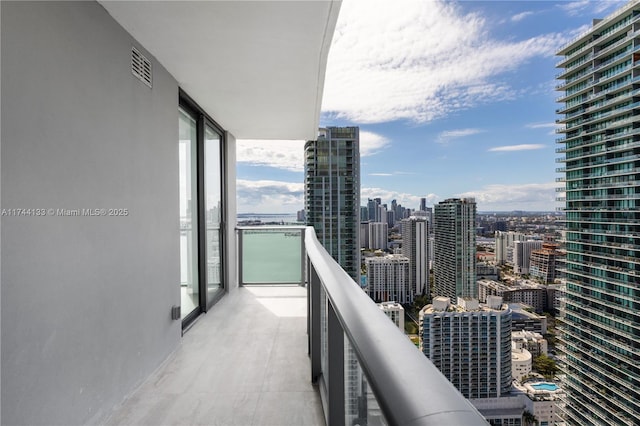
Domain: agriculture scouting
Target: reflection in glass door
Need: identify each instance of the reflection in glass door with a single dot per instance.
(189, 282)
(213, 209)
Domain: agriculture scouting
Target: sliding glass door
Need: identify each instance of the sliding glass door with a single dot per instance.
(201, 210)
(189, 270)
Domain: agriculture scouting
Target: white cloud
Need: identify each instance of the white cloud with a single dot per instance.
(607, 6)
(574, 7)
(446, 136)
(412, 60)
(551, 126)
(372, 143)
(523, 147)
(392, 174)
(520, 16)
(269, 196)
(532, 196)
(590, 8)
(541, 125)
(287, 155)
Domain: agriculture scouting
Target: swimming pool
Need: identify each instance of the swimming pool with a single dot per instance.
(545, 386)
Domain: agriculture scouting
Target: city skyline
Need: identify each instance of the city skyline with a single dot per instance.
(477, 98)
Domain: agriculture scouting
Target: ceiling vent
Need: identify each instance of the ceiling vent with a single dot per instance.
(140, 66)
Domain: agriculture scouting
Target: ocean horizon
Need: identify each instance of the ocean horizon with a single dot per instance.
(286, 218)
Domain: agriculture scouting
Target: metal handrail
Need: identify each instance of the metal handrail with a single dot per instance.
(409, 389)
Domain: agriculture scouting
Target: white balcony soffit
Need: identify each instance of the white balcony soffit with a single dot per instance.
(257, 67)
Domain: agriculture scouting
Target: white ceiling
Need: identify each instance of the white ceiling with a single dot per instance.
(256, 67)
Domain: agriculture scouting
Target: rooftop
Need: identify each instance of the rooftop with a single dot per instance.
(441, 305)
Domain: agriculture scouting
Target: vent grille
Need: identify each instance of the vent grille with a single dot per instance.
(140, 66)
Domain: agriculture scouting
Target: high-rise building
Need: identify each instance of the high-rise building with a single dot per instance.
(431, 246)
(400, 212)
(542, 263)
(364, 234)
(600, 336)
(415, 247)
(381, 213)
(423, 204)
(364, 214)
(332, 194)
(372, 207)
(531, 293)
(388, 279)
(504, 245)
(391, 218)
(522, 255)
(470, 344)
(429, 215)
(395, 312)
(454, 263)
(378, 236)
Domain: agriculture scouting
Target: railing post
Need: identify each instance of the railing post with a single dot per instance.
(313, 303)
(240, 257)
(335, 355)
(303, 260)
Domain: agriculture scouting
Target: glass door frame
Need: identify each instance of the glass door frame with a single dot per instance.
(203, 120)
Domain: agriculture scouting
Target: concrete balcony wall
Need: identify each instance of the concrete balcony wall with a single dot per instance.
(85, 300)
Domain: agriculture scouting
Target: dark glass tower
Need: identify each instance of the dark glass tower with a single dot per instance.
(454, 265)
(332, 194)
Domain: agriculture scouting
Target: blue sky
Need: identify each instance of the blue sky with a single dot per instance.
(452, 99)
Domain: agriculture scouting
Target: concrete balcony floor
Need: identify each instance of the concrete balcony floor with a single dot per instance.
(243, 363)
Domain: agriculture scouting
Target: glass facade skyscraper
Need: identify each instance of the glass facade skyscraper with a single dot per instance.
(600, 332)
(332, 194)
(454, 265)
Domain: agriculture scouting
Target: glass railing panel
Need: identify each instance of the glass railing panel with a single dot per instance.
(361, 406)
(271, 255)
(375, 417)
(355, 400)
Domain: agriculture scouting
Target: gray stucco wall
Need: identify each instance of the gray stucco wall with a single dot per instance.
(85, 300)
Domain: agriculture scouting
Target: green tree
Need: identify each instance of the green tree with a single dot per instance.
(418, 303)
(545, 366)
(528, 419)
